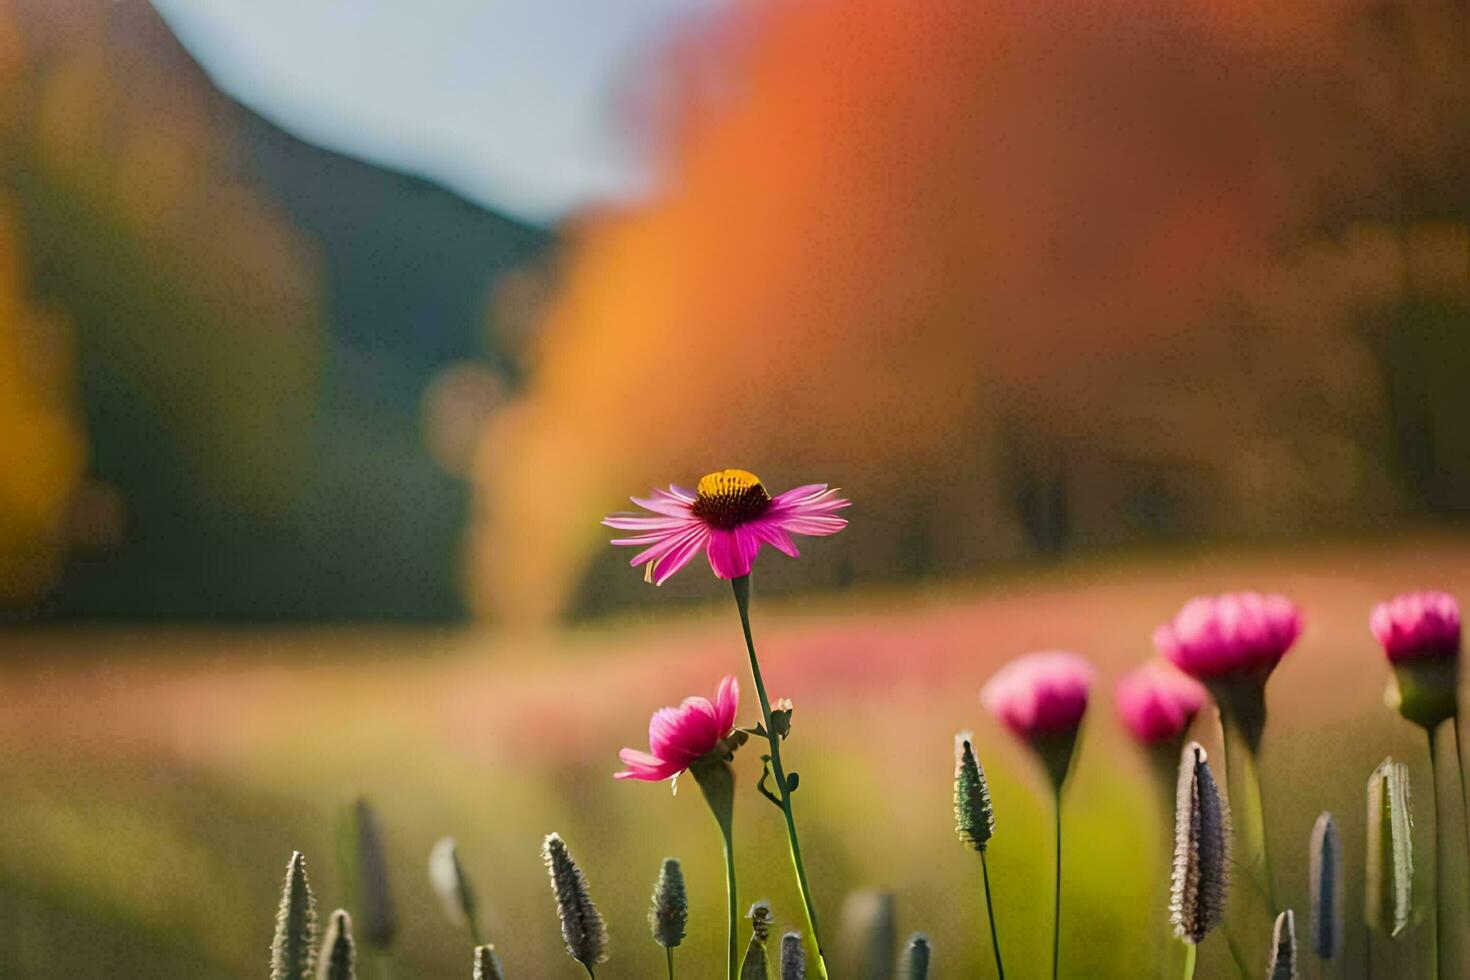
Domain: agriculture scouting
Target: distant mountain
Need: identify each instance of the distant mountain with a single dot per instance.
(257, 320)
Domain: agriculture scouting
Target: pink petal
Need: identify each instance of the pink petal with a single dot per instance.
(679, 556)
(727, 704)
(663, 503)
(724, 555)
(812, 526)
(646, 767)
(633, 522)
(667, 543)
(773, 534)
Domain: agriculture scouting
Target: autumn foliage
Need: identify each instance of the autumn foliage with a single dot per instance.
(1020, 277)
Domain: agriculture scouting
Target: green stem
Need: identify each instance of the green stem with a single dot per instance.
(1190, 952)
(1244, 779)
(1440, 850)
(731, 901)
(670, 951)
(1460, 775)
(741, 588)
(1056, 902)
(1000, 970)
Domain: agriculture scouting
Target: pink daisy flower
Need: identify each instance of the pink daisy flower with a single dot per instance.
(1040, 693)
(1418, 625)
(1235, 633)
(728, 516)
(679, 737)
(1156, 702)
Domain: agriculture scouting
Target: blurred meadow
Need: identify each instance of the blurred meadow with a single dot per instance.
(328, 335)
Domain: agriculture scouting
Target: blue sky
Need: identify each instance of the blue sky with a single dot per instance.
(512, 103)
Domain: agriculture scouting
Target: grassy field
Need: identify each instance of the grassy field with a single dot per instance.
(154, 780)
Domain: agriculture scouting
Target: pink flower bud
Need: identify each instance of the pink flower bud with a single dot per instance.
(1235, 633)
(1418, 625)
(1156, 702)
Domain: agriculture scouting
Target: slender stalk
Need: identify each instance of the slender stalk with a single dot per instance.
(1000, 970)
(733, 966)
(1056, 902)
(1440, 850)
(1244, 779)
(741, 588)
(1190, 952)
(670, 951)
(1460, 775)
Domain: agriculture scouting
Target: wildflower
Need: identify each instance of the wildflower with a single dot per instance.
(1201, 877)
(1420, 633)
(1041, 698)
(582, 928)
(1040, 694)
(1232, 634)
(1324, 865)
(728, 516)
(1156, 703)
(1418, 625)
(1232, 643)
(680, 737)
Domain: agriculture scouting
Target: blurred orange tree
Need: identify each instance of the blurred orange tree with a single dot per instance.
(1019, 278)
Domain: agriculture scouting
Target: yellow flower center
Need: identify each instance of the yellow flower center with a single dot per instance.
(729, 498)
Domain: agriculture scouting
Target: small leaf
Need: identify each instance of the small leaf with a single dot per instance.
(781, 718)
